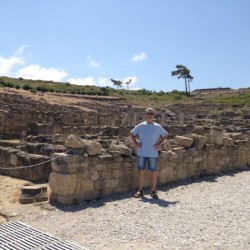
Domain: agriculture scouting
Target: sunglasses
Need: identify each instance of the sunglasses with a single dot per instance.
(149, 113)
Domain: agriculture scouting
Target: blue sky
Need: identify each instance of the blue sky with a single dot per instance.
(89, 42)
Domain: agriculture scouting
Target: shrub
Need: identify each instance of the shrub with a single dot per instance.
(27, 87)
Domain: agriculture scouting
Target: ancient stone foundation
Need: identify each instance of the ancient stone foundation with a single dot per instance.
(78, 176)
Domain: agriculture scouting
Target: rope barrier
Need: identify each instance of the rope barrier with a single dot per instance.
(124, 119)
(30, 166)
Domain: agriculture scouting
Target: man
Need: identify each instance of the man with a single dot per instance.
(148, 137)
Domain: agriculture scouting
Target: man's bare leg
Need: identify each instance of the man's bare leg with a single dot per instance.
(139, 193)
(141, 179)
(153, 180)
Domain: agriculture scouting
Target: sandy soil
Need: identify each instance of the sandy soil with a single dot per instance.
(209, 213)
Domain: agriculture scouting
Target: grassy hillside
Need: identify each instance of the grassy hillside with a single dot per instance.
(235, 99)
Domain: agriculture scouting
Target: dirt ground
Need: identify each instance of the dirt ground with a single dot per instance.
(10, 190)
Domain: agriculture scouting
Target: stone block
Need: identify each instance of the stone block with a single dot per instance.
(121, 147)
(92, 147)
(94, 176)
(237, 136)
(59, 138)
(210, 138)
(130, 144)
(62, 184)
(34, 193)
(85, 186)
(218, 136)
(228, 141)
(199, 141)
(179, 151)
(108, 184)
(13, 160)
(69, 163)
(199, 130)
(74, 141)
(117, 173)
(183, 141)
(166, 145)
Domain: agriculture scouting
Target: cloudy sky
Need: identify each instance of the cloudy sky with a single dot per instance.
(88, 42)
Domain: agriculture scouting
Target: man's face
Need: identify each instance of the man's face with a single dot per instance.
(149, 116)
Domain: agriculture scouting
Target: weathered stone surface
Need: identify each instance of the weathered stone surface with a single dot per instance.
(69, 163)
(92, 147)
(86, 186)
(183, 141)
(199, 130)
(237, 136)
(179, 151)
(121, 147)
(199, 141)
(34, 193)
(228, 141)
(210, 138)
(217, 128)
(62, 184)
(74, 141)
(130, 144)
(110, 183)
(217, 134)
(59, 138)
(166, 145)
(13, 160)
(94, 176)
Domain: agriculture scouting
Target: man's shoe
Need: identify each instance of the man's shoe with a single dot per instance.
(154, 195)
(138, 194)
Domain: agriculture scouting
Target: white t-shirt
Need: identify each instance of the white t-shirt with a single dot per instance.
(149, 134)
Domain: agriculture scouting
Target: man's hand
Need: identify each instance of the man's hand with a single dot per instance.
(137, 143)
(157, 146)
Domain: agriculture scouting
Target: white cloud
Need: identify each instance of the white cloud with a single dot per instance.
(91, 63)
(103, 82)
(21, 49)
(139, 57)
(100, 82)
(7, 64)
(82, 81)
(36, 72)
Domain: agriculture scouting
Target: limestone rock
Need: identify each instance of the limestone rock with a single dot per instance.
(237, 136)
(199, 141)
(183, 141)
(217, 133)
(199, 130)
(69, 163)
(130, 144)
(92, 147)
(227, 141)
(59, 138)
(166, 145)
(62, 184)
(217, 128)
(74, 141)
(121, 147)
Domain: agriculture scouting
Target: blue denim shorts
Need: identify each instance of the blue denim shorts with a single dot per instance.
(143, 161)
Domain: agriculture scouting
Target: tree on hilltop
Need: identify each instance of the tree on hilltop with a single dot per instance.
(128, 82)
(183, 72)
(116, 83)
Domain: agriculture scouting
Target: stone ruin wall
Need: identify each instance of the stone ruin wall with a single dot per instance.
(20, 114)
(88, 177)
(78, 176)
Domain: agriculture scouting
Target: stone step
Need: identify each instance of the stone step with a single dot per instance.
(34, 193)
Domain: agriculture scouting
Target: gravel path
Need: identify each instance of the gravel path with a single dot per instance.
(210, 213)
